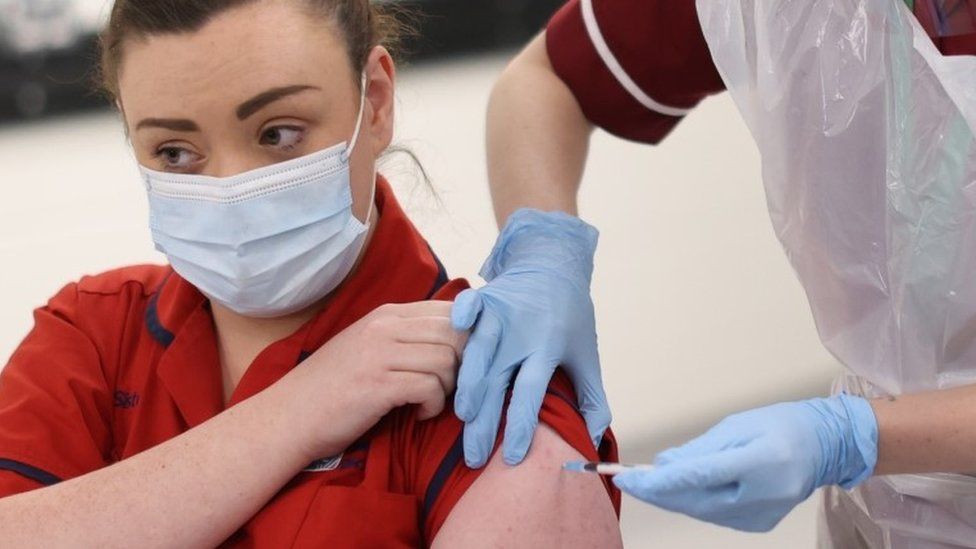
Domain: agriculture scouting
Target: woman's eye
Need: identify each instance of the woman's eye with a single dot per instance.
(282, 137)
(176, 158)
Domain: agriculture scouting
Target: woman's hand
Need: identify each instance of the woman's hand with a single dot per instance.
(394, 356)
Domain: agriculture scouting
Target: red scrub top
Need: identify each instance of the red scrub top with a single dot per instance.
(120, 362)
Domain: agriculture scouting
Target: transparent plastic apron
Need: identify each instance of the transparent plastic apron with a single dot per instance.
(869, 160)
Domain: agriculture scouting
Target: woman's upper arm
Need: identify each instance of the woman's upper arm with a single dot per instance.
(535, 504)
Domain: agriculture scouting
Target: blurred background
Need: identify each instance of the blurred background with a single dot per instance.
(699, 313)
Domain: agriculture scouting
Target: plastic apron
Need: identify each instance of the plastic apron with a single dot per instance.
(867, 140)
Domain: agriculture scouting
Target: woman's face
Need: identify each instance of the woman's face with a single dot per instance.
(258, 85)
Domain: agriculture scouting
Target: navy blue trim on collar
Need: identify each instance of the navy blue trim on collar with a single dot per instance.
(450, 462)
(28, 471)
(442, 278)
(156, 329)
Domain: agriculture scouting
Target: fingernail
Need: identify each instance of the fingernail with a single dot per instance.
(474, 457)
(465, 404)
(518, 437)
(514, 458)
(462, 409)
(464, 312)
(516, 446)
(474, 460)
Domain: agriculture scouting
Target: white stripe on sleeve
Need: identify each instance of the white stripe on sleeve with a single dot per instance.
(593, 29)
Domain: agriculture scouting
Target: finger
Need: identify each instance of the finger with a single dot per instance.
(477, 358)
(691, 478)
(709, 442)
(420, 309)
(424, 390)
(530, 389)
(596, 413)
(707, 504)
(695, 447)
(430, 329)
(467, 306)
(428, 358)
(435, 401)
(482, 431)
(593, 403)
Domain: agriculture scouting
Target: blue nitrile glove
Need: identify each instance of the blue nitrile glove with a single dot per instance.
(535, 313)
(752, 468)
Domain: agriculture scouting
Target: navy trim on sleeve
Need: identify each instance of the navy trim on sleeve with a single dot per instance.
(361, 445)
(154, 326)
(449, 463)
(33, 473)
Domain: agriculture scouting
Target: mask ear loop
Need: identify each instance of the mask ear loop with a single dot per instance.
(359, 119)
(355, 140)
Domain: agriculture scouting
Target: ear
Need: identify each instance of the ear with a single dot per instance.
(380, 73)
(125, 120)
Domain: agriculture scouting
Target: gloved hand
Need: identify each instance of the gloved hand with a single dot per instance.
(535, 313)
(752, 468)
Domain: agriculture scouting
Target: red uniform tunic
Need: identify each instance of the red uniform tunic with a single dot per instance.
(121, 362)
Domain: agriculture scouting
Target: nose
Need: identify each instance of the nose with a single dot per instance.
(232, 162)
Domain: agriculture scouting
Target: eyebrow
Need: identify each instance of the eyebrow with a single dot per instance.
(264, 99)
(175, 124)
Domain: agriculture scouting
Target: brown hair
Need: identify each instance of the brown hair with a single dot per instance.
(363, 24)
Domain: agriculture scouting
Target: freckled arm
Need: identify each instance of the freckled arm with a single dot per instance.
(535, 504)
(194, 490)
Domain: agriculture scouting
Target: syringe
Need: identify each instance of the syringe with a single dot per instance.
(603, 468)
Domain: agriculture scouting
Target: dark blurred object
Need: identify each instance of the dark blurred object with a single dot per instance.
(45, 54)
(48, 47)
(48, 81)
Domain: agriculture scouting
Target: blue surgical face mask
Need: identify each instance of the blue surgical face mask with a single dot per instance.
(264, 243)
